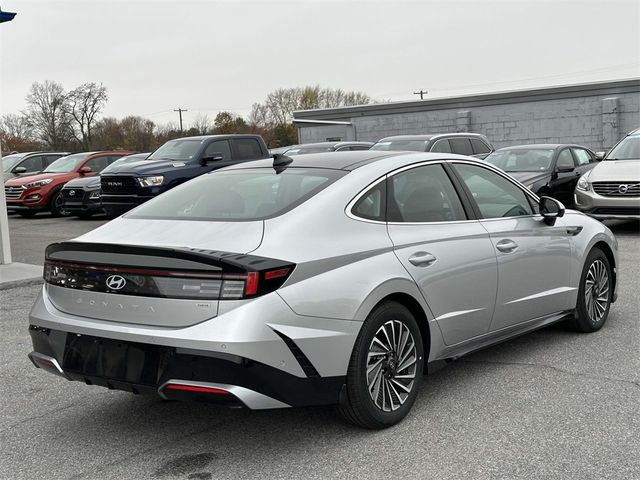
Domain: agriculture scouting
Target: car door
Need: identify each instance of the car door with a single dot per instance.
(447, 253)
(534, 259)
(585, 162)
(564, 177)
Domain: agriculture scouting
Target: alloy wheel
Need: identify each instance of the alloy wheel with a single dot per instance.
(596, 291)
(391, 365)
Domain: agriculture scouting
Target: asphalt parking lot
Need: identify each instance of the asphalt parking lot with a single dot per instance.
(549, 405)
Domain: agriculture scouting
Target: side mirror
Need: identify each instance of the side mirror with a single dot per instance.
(214, 157)
(600, 156)
(550, 209)
(19, 170)
(85, 170)
(565, 169)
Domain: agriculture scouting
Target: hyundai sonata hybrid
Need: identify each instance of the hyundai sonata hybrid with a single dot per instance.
(332, 278)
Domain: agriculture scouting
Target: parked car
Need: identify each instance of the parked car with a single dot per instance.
(273, 151)
(323, 279)
(546, 169)
(612, 188)
(472, 144)
(327, 147)
(82, 195)
(175, 162)
(27, 163)
(31, 194)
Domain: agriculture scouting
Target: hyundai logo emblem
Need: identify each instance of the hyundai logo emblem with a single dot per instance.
(72, 193)
(116, 282)
(623, 188)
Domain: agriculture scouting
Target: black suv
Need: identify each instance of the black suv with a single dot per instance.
(472, 144)
(175, 162)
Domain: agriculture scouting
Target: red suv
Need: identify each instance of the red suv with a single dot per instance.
(31, 194)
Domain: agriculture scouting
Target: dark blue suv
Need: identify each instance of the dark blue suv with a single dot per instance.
(175, 162)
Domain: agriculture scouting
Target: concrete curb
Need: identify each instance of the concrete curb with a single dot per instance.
(27, 282)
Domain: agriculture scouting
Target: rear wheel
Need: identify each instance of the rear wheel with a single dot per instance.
(385, 369)
(594, 293)
(56, 205)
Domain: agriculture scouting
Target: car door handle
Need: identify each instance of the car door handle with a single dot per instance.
(422, 259)
(507, 246)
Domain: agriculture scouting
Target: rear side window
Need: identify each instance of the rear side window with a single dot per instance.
(423, 194)
(239, 195)
(461, 146)
(247, 149)
(495, 196)
(371, 205)
(479, 146)
(441, 146)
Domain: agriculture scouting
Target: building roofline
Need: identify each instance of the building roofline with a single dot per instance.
(631, 85)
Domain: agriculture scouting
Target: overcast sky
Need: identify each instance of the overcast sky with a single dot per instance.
(208, 56)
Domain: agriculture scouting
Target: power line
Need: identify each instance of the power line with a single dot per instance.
(180, 110)
(421, 93)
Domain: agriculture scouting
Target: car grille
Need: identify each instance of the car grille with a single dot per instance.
(617, 189)
(73, 195)
(617, 211)
(13, 193)
(120, 184)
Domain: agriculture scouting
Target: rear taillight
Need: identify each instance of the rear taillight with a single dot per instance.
(164, 283)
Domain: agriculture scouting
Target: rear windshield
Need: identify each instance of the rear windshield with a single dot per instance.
(239, 195)
(402, 145)
(522, 159)
(181, 149)
(627, 149)
(66, 164)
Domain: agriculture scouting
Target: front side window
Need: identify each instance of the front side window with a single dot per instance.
(565, 159)
(495, 196)
(218, 147)
(461, 146)
(98, 163)
(423, 194)
(441, 146)
(32, 164)
(627, 149)
(239, 195)
(66, 164)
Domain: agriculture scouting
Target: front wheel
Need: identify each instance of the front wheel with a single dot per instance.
(594, 293)
(385, 369)
(57, 205)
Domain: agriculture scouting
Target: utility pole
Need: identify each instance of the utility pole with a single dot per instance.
(421, 93)
(180, 110)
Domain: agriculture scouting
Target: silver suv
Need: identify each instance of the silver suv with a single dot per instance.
(472, 144)
(612, 188)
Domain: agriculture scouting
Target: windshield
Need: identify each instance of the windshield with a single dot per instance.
(305, 150)
(66, 164)
(180, 149)
(239, 195)
(124, 160)
(402, 145)
(10, 161)
(522, 159)
(627, 149)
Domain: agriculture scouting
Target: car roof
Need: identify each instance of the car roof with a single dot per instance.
(226, 135)
(430, 136)
(332, 160)
(328, 144)
(540, 146)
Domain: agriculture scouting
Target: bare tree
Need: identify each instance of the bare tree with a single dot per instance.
(202, 124)
(137, 133)
(82, 105)
(47, 114)
(16, 126)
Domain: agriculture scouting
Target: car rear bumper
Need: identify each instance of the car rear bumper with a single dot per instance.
(260, 348)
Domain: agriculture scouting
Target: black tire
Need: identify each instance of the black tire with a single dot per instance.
(358, 407)
(84, 215)
(591, 314)
(56, 205)
(27, 214)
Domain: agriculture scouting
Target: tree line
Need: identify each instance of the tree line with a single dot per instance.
(56, 119)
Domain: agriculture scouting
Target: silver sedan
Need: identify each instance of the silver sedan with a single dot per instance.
(325, 279)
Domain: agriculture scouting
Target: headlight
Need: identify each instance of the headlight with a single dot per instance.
(39, 183)
(583, 182)
(150, 181)
(94, 195)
